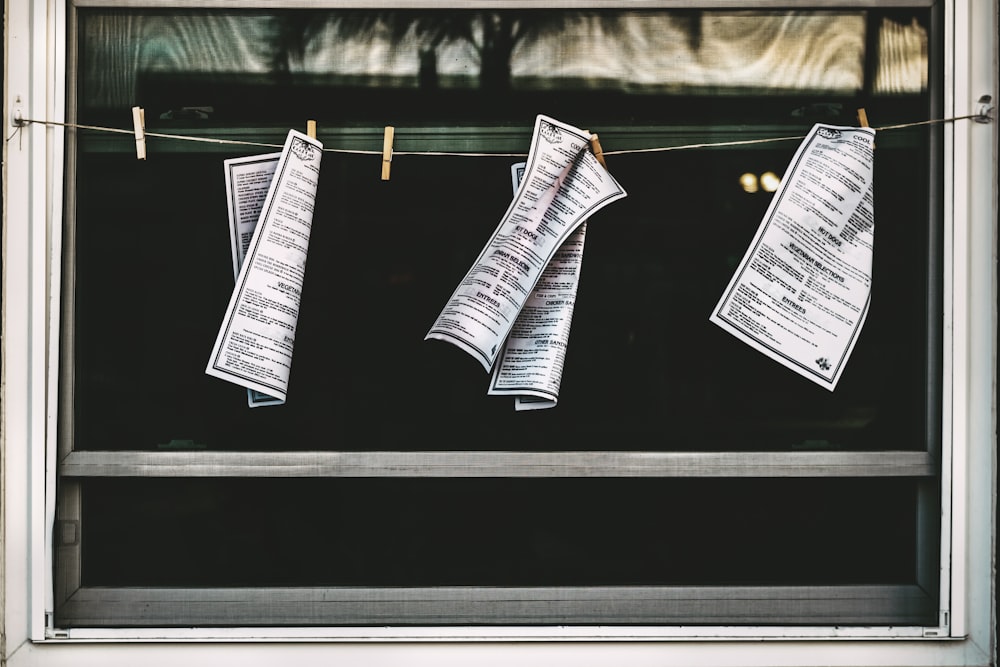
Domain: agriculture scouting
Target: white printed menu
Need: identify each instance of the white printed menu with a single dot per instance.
(530, 367)
(248, 180)
(802, 291)
(254, 345)
(563, 185)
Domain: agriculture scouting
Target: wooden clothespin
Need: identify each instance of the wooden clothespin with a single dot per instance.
(311, 128)
(595, 145)
(390, 132)
(139, 125)
(863, 119)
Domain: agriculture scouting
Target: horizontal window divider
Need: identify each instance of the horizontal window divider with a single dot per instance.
(497, 464)
(688, 605)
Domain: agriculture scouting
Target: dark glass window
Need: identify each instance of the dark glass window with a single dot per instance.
(149, 275)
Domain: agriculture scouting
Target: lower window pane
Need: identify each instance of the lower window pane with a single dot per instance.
(498, 532)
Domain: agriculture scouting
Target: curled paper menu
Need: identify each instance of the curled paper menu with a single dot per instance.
(254, 346)
(248, 180)
(563, 185)
(530, 366)
(801, 293)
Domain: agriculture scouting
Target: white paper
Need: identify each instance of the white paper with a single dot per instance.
(530, 366)
(802, 291)
(248, 180)
(563, 185)
(255, 342)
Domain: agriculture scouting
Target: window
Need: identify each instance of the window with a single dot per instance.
(684, 488)
(682, 479)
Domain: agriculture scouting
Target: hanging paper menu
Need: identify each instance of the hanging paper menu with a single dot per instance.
(248, 180)
(563, 185)
(530, 367)
(254, 345)
(802, 291)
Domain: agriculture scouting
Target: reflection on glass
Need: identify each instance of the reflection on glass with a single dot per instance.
(769, 181)
(749, 182)
(640, 52)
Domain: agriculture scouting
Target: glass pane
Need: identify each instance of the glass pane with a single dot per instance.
(498, 532)
(476, 65)
(644, 369)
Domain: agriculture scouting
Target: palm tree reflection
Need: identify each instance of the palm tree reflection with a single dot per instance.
(492, 36)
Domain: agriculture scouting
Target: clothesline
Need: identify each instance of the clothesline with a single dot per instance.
(237, 142)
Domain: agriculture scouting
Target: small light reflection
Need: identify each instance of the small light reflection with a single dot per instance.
(769, 181)
(748, 182)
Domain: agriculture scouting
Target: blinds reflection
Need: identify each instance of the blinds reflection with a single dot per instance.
(639, 52)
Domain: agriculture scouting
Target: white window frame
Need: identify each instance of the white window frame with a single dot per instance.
(34, 163)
